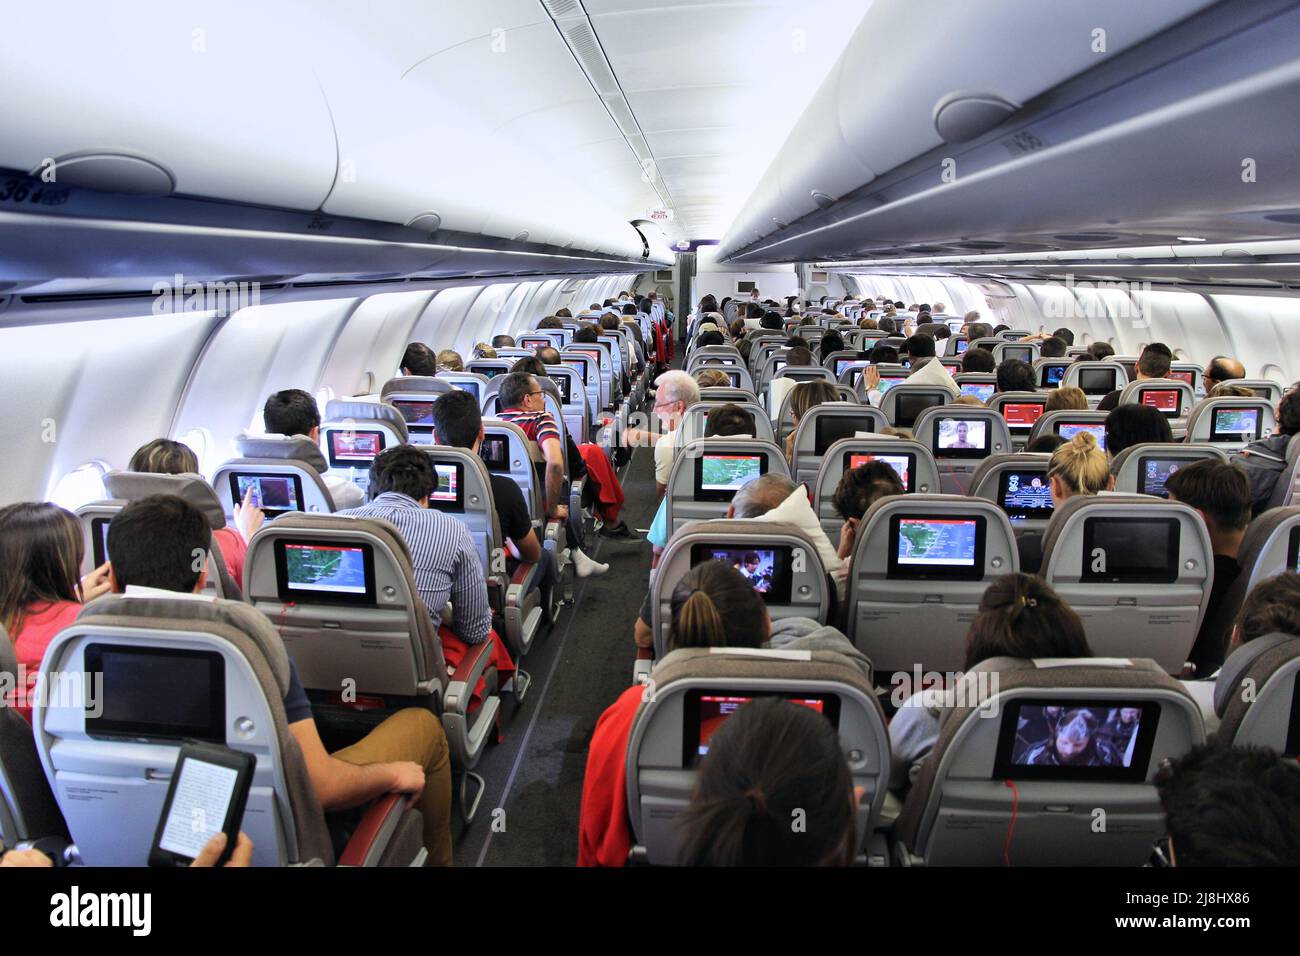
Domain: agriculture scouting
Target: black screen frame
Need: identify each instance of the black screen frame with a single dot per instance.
(723, 495)
(1148, 725)
(290, 594)
(1173, 546)
(1143, 487)
(1017, 513)
(919, 572)
(99, 540)
(976, 453)
(782, 567)
(104, 728)
(831, 709)
(449, 507)
(1216, 435)
(820, 443)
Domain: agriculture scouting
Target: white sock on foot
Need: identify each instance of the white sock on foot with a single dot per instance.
(586, 566)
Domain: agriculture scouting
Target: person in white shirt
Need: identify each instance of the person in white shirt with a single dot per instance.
(675, 392)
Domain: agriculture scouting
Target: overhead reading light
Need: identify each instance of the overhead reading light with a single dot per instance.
(1190, 238)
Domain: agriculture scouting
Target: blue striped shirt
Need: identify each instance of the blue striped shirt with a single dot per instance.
(444, 559)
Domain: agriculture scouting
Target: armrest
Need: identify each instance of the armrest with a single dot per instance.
(477, 659)
(367, 843)
(551, 535)
(519, 584)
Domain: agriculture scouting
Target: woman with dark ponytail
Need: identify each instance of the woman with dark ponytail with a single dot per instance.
(714, 605)
(1019, 616)
(771, 764)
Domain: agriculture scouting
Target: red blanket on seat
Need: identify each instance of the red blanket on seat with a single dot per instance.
(604, 830)
(454, 650)
(609, 491)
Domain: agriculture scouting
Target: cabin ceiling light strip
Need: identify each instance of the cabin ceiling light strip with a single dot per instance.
(1261, 248)
(574, 25)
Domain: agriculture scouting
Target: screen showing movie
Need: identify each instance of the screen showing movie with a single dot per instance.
(448, 492)
(1022, 415)
(1154, 473)
(1095, 737)
(1235, 424)
(902, 465)
(1167, 400)
(415, 413)
(981, 390)
(1052, 375)
(354, 449)
(1068, 430)
(271, 493)
(961, 438)
(495, 452)
(562, 383)
(1026, 495)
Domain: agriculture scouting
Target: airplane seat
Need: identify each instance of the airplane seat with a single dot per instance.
(127, 486)
(1068, 422)
(1006, 349)
(588, 369)
(1096, 379)
(573, 400)
(419, 384)
(1050, 371)
(822, 427)
(172, 669)
(413, 396)
(788, 562)
(1264, 388)
(354, 433)
(1143, 469)
(707, 355)
(506, 450)
(912, 461)
(489, 368)
(287, 473)
(465, 492)
(957, 344)
(471, 382)
(920, 566)
(904, 402)
(988, 343)
(1254, 694)
(1173, 397)
(707, 472)
(1017, 483)
(726, 393)
(1022, 410)
(1230, 423)
(961, 438)
(1192, 374)
(370, 633)
(1270, 546)
(990, 794)
(344, 412)
(696, 418)
(1138, 571)
(28, 810)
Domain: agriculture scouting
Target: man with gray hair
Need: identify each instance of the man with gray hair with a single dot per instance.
(675, 392)
(760, 495)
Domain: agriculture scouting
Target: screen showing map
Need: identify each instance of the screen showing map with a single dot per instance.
(1235, 424)
(316, 567)
(933, 546)
(1052, 375)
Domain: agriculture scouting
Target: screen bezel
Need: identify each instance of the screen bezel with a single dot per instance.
(900, 421)
(691, 756)
(1148, 723)
(494, 465)
(983, 452)
(1018, 513)
(1168, 576)
(1216, 435)
(397, 403)
(1041, 406)
(723, 495)
(1090, 426)
(454, 507)
(910, 486)
(237, 498)
(917, 572)
(103, 728)
(290, 594)
(336, 462)
(821, 445)
(1044, 379)
(1142, 472)
(1114, 377)
(99, 540)
(1176, 411)
(782, 561)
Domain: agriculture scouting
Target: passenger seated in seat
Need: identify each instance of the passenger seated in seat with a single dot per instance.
(1271, 607)
(1231, 806)
(449, 360)
(152, 542)
(294, 412)
(978, 360)
(162, 456)
(858, 490)
(1154, 362)
(418, 359)
(804, 396)
(458, 423)
(1265, 460)
(1067, 398)
(1015, 376)
(1129, 425)
(1019, 616)
(712, 378)
(1078, 467)
(41, 593)
(770, 761)
(1220, 493)
(504, 341)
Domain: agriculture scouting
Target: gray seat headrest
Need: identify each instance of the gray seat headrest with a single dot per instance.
(283, 448)
(1238, 663)
(132, 486)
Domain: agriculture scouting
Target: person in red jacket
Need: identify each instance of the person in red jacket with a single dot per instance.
(714, 605)
(41, 592)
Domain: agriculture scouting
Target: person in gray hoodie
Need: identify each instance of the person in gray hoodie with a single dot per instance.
(1265, 460)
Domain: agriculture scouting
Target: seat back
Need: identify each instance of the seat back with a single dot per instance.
(599, 353)
(28, 810)
(1138, 571)
(786, 567)
(696, 418)
(1267, 389)
(541, 338)
(957, 345)
(1231, 423)
(920, 565)
(1068, 422)
(1024, 351)
(588, 366)
(489, 368)
(961, 438)
(822, 427)
(1095, 379)
(342, 594)
(506, 450)
(1190, 373)
(413, 396)
(707, 355)
(1286, 490)
(355, 434)
(167, 669)
(982, 385)
(1255, 694)
(1143, 469)
(471, 382)
(1170, 396)
(904, 402)
(1018, 484)
(993, 791)
(1050, 371)
(724, 393)
(707, 472)
(286, 473)
(696, 688)
(573, 401)
(912, 461)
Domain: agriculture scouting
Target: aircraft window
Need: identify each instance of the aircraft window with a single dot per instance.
(1274, 373)
(324, 395)
(82, 485)
(199, 441)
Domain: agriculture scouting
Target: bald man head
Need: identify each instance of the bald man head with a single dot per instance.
(1222, 369)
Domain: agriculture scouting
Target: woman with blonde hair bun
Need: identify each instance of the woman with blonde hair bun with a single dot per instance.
(1079, 467)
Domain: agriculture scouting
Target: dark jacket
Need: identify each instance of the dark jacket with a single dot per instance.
(1265, 462)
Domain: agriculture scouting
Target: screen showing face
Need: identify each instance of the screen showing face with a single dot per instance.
(1189, 377)
(1154, 472)
(981, 390)
(495, 452)
(337, 570)
(1026, 495)
(936, 542)
(1235, 424)
(1165, 399)
(1022, 414)
(902, 465)
(728, 472)
(415, 413)
(909, 407)
(1130, 550)
(962, 434)
(1097, 381)
(1100, 736)
(150, 692)
(1052, 375)
(350, 449)
(269, 492)
(1068, 430)
(448, 488)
